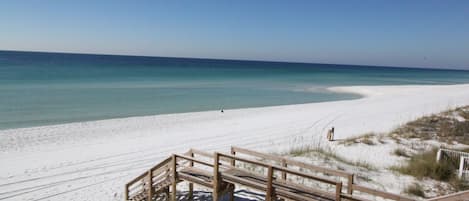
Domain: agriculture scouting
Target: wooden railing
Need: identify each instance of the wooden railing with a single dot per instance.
(378, 193)
(448, 154)
(457, 158)
(459, 196)
(351, 187)
(144, 182)
(286, 162)
(164, 177)
(270, 172)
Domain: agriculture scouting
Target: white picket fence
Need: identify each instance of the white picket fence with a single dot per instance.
(458, 158)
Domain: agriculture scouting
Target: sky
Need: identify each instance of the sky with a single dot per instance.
(386, 33)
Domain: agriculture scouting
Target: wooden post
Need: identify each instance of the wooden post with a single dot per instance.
(191, 185)
(215, 177)
(174, 183)
(438, 155)
(270, 192)
(150, 184)
(232, 189)
(338, 190)
(126, 192)
(461, 166)
(284, 174)
(233, 152)
(350, 184)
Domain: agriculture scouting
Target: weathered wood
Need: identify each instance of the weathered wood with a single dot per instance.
(150, 184)
(126, 192)
(216, 185)
(239, 180)
(338, 191)
(459, 196)
(243, 160)
(222, 174)
(379, 193)
(284, 174)
(291, 162)
(353, 198)
(269, 195)
(137, 179)
(233, 152)
(162, 163)
(306, 175)
(174, 174)
(190, 178)
(191, 185)
(298, 187)
(188, 158)
(202, 153)
(350, 184)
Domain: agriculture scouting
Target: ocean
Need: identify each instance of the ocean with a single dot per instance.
(39, 89)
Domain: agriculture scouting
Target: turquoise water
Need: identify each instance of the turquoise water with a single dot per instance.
(51, 88)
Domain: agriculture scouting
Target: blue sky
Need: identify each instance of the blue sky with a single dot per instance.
(390, 33)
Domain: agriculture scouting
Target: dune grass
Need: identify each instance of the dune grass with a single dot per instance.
(415, 189)
(425, 165)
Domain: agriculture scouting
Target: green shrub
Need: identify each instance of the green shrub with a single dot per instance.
(415, 189)
(425, 165)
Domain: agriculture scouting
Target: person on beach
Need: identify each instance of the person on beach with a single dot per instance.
(330, 134)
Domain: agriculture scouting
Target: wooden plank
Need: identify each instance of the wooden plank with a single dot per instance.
(243, 160)
(244, 182)
(174, 174)
(126, 192)
(138, 178)
(191, 185)
(162, 163)
(350, 184)
(197, 180)
(292, 162)
(459, 196)
(207, 154)
(286, 185)
(270, 192)
(193, 160)
(202, 153)
(380, 193)
(233, 152)
(255, 153)
(285, 165)
(353, 198)
(295, 172)
(338, 191)
(161, 171)
(216, 185)
(306, 175)
(260, 183)
(150, 184)
(295, 196)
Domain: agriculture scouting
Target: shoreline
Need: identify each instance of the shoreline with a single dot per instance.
(98, 157)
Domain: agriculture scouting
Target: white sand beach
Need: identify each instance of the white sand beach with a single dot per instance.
(93, 160)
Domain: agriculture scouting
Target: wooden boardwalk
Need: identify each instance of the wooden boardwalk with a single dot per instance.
(274, 175)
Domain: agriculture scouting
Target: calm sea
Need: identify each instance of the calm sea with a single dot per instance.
(52, 88)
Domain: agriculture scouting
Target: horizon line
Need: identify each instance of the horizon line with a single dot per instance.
(232, 59)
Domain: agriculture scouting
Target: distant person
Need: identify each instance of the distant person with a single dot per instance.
(222, 111)
(330, 134)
